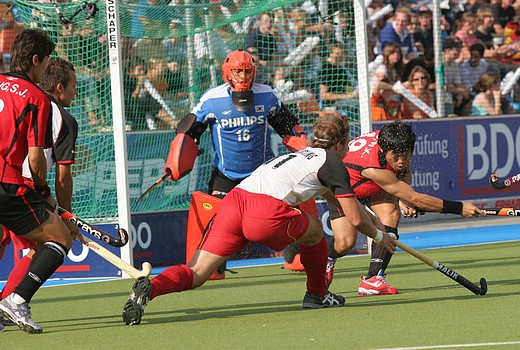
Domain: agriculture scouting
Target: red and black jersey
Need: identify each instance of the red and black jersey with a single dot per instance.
(364, 153)
(25, 112)
(64, 135)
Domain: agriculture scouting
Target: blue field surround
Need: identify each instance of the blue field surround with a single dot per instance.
(417, 240)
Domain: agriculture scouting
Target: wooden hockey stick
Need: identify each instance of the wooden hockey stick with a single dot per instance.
(117, 261)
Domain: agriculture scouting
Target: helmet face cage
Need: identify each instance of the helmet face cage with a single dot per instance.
(239, 70)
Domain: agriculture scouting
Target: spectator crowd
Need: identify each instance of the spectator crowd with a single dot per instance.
(307, 52)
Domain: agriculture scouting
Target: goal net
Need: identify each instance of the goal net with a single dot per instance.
(172, 51)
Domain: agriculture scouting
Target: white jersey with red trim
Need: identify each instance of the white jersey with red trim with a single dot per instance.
(297, 177)
(64, 135)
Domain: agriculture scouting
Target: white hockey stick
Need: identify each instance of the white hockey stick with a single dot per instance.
(508, 85)
(398, 87)
(297, 55)
(379, 14)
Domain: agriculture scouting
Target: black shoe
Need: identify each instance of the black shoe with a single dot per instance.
(134, 306)
(290, 252)
(311, 301)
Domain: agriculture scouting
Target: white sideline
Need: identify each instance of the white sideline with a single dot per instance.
(453, 346)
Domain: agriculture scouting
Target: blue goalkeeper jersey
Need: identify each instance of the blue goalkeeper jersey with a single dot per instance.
(241, 140)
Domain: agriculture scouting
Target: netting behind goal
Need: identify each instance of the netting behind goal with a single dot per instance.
(172, 52)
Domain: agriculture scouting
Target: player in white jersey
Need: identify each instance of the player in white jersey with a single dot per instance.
(262, 209)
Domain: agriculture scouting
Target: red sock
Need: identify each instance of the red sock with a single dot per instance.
(16, 276)
(314, 259)
(174, 279)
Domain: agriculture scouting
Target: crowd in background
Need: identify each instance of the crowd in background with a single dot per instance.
(307, 53)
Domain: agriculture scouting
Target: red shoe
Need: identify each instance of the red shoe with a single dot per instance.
(375, 285)
(295, 265)
(329, 273)
(217, 276)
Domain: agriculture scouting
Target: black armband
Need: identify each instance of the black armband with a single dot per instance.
(44, 191)
(451, 207)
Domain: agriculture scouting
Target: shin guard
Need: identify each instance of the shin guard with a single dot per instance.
(44, 263)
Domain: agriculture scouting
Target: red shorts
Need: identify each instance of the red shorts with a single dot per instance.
(18, 241)
(249, 217)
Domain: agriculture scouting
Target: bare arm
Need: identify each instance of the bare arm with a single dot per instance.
(362, 221)
(389, 182)
(63, 186)
(38, 166)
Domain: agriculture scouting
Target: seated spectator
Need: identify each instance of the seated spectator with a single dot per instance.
(424, 31)
(503, 13)
(473, 68)
(262, 40)
(466, 33)
(453, 82)
(418, 86)
(158, 113)
(484, 30)
(337, 84)
(427, 61)
(488, 99)
(134, 93)
(304, 46)
(384, 102)
(396, 32)
(412, 27)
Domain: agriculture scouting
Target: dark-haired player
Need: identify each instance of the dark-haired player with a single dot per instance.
(262, 209)
(25, 132)
(378, 163)
(59, 82)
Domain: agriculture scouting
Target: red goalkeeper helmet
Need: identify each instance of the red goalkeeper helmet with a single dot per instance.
(238, 70)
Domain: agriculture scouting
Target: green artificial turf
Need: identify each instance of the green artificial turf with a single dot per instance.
(260, 308)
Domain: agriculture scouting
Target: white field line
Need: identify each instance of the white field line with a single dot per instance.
(453, 346)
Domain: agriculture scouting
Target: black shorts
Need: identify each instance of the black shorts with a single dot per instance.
(220, 184)
(336, 213)
(21, 209)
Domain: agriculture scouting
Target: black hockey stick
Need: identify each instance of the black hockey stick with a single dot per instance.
(155, 184)
(502, 211)
(489, 211)
(482, 290)
(91, 230)
(500, 185)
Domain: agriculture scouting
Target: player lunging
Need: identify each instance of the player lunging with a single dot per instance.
(378, 163)
(262, 209)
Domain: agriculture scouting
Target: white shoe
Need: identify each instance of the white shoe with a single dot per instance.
(19, 314)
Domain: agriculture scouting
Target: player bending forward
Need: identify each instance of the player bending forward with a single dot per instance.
(261, 209)
(378, 164)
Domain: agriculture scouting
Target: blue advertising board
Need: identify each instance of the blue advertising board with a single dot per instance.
(453, 159)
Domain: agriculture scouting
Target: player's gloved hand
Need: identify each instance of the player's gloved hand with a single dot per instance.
(295, 143)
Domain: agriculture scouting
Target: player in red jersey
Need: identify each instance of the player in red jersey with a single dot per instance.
(379, 167)
(59, 82)
(26, 131)
(262, 209)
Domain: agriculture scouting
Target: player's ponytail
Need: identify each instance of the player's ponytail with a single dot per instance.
(329, 129)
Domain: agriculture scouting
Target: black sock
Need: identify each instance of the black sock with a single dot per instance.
(42, 266)
(380, 256)
(333, 254)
